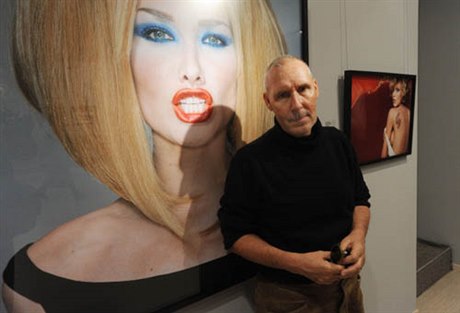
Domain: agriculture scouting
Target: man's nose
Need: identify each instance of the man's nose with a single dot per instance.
(296, 101)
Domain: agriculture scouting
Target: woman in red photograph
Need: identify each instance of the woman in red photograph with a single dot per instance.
(396, 132)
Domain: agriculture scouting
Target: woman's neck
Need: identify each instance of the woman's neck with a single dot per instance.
(196, 173)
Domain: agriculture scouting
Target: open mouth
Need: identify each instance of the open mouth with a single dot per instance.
(192, 105)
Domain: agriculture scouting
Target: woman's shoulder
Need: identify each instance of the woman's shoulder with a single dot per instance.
(96, 246)
(393, 110)
(405, 109)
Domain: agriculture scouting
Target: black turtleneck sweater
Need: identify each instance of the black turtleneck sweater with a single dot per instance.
(298, 194)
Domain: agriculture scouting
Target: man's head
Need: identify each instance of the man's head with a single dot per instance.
(291, 93)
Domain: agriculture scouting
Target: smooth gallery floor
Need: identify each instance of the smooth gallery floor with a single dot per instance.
(443, 296)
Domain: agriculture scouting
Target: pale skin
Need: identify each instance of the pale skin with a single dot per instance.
(117, 242)
(291, 93)
(99, 246)
(397, 126)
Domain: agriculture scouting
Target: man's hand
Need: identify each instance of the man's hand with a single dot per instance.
(313, 265)
(355, 243)
(317, 267)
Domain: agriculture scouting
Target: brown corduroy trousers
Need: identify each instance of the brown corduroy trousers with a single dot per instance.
(341, 297)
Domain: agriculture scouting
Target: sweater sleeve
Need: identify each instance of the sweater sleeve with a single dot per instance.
(236, 213)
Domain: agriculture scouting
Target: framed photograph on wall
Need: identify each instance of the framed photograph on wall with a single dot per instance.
(379, 114)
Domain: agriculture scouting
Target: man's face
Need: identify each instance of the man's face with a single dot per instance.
(291, 95)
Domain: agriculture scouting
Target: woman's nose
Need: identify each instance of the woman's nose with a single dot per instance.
(190, 71)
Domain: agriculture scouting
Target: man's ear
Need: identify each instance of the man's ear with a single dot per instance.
(267, 102)
(316, 88)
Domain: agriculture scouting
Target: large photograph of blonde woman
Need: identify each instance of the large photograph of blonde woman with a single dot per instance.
(114, 157)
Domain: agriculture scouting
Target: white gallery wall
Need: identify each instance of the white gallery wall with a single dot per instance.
(374, 36)
(439, 148)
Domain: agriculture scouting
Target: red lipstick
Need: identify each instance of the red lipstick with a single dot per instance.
(192, 105)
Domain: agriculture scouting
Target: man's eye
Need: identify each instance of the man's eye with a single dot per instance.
(283, 95)
(303, 89)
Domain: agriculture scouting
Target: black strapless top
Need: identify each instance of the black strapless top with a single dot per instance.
(162, 293)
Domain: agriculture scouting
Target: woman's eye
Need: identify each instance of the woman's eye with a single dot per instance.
(154, 33)
(216, 40)
(159, 35)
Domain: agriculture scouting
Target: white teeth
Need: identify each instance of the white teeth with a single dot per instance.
(193, 108)
(192, 105)
(192, 100)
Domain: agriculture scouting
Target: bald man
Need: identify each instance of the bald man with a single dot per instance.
(294, 194)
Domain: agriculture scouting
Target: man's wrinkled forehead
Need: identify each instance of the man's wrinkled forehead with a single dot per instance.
(282, 67)
(286, 74)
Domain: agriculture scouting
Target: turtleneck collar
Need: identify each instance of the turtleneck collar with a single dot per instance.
(285, 139)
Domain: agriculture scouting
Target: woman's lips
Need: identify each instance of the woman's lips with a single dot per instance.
(192, 105)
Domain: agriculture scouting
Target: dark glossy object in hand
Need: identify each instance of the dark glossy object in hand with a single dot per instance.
(337, 255)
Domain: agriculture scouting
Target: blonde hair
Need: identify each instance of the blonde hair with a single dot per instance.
(72, 62)
(406, 89)
(259, 40)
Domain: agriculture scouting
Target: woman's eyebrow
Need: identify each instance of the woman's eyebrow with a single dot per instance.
(213, 23)
(156, 13)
